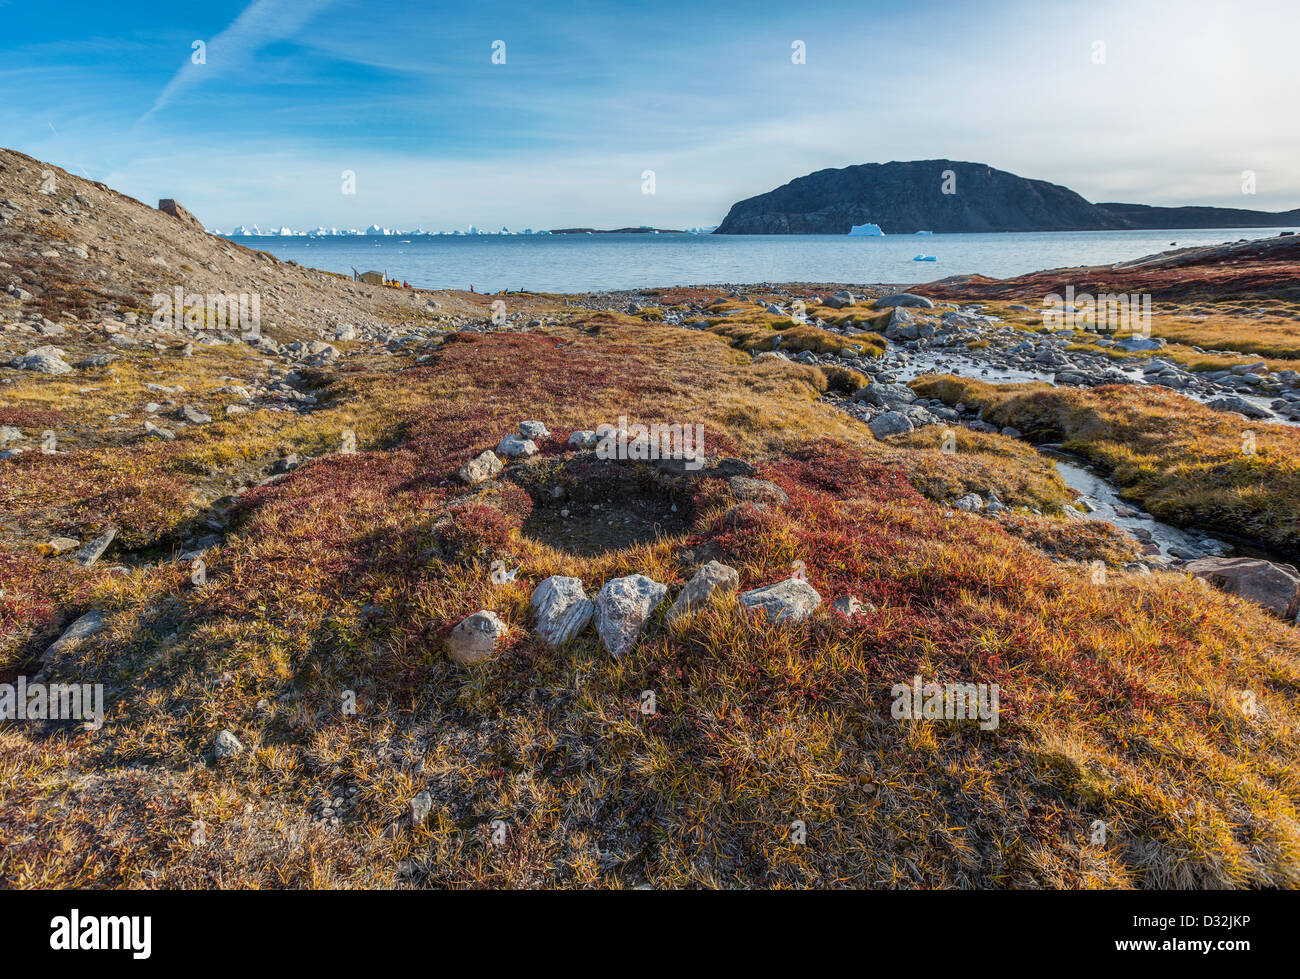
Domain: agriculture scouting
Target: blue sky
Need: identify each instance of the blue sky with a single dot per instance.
(294, 92)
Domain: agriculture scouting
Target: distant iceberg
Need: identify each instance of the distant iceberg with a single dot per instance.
(924, 258)
(925, 232)
(870, 230)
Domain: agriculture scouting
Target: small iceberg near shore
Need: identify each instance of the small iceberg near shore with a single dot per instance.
(925, 258)
(868, 230)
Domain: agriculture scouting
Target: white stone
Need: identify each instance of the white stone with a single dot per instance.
(622, 609)
(563, 609)
(792, 599)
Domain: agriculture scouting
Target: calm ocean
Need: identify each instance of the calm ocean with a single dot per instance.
(583, 263)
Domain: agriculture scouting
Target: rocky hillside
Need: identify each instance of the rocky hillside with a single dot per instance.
(74, 248)
(905, 197)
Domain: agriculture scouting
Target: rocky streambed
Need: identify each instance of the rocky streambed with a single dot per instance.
(963, 340)
(929, 339)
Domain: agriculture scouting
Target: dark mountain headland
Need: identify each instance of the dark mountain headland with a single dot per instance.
(948, 196)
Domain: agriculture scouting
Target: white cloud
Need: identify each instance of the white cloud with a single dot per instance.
(259, 24)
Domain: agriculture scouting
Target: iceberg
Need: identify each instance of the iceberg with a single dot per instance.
(871, 230)
(925, 232)
(924, 258)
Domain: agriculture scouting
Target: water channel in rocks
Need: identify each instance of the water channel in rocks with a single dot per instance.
(922, 362)
(1099, 498)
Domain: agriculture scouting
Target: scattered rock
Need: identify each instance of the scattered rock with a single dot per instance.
(850, 606)
(563, 609)
(903, 299)
(84, 627)
(622, 609)
(1136, 344)
(584, 439)
(792, 599)
(91, 552)
(900, 317)
(711, 578)
(170, 206)
(1275, 586)
(532, 430)
(42, 360)
(885, 395)
(475, 638)
(227, 746)
(757, 490)
(421, 806)
(483, 466)
(1240, 405)
(890, 423)
(513, 445)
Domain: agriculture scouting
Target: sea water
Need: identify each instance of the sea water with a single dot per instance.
(584, 263)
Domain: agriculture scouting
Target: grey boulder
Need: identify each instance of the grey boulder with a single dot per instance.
(885, 395)
(563, 609)
(903, 299)
(481, 467)
(227, 746)
(42, 360)
(890, 423)
(475, 638)
(712, 578)
(622, 609)
(757, 490)
(92, 551)
(513, 445)
(1275, 586)
(789, 600)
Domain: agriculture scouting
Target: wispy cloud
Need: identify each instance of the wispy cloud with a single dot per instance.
(261, 23)
(405, 94)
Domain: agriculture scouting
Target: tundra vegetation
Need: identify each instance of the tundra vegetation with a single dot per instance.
(291, 718)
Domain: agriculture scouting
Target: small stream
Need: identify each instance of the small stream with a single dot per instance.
(924, 362)
(1184, 543)
(1099, 498)
(1104, 499)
